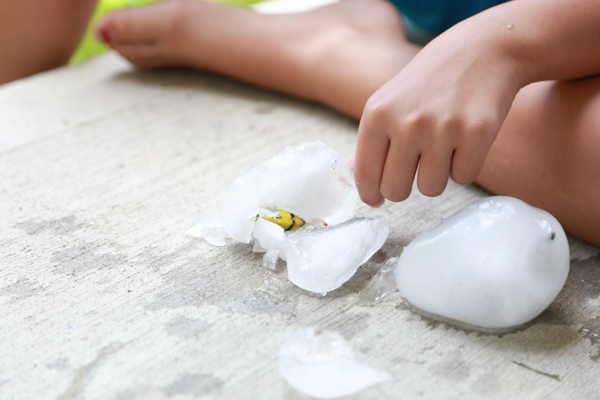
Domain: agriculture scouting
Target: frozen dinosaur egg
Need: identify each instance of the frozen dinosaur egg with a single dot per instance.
(497, 263)
(309, 180)
(297, 203)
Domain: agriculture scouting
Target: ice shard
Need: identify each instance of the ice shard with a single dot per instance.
(323, 365)
(324, 258)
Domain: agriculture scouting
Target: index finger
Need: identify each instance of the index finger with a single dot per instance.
(371, 152)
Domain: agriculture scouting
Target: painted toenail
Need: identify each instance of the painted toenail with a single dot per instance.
(104, 37)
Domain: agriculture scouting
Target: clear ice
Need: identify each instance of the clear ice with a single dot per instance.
(271, 238)
(210, 228)
(381, 285)
(324, 258)
(323, 365)
(497, 263)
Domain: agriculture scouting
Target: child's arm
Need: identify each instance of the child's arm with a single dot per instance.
(443, 111)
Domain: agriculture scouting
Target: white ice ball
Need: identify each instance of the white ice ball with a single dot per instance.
(496, 263)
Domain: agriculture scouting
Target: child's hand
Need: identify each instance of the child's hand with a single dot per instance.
(441, 113)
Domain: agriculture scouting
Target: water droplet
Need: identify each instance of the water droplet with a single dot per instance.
(510, 27)
(591, 330)
(381, 285)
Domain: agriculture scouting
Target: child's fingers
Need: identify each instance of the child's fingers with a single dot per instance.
(434, 170)
(468, 161)
(399, 171)
(371, 151)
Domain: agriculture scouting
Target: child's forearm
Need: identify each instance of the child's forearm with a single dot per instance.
(550, 39)
(443, 111)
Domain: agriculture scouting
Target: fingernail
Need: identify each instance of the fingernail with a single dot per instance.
(104, 37)
(350, 164)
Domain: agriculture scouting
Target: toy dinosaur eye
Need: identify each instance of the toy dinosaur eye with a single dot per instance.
(286, 220)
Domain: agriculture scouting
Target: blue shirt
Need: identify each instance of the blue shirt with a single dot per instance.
(435, 16)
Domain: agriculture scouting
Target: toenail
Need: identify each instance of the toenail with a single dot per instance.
(104, 37)
(350, 164)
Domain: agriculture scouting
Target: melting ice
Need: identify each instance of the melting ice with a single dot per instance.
(323, 365)
(381, 285)
(496, 263)
(210, 228)
(312, 182)
(323, 258)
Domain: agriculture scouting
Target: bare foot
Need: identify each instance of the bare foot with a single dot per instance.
(338, 55)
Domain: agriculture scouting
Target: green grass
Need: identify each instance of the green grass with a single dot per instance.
(90, 47)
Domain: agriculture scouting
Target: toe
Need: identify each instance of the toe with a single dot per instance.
(142, 55)
(126, 25)
(140, 25)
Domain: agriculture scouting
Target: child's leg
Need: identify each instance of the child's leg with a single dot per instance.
(338, 55)
(545, 154)
(39, 35)
(548, 153)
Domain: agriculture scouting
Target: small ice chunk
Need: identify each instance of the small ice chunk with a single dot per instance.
(210, 229)
(323, 258)
(275, 289)
(324, 365)
(257, 248)
(271, 238)
(497, 263)
(382, 284)
(240, 207)
(309, 180)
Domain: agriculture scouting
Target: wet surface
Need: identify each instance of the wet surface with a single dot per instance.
(84, 375)
(83, 258)
(185, 327)
(195, 385)
(591, 331)
(22, 289)
(200, 281)
(59, 226)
